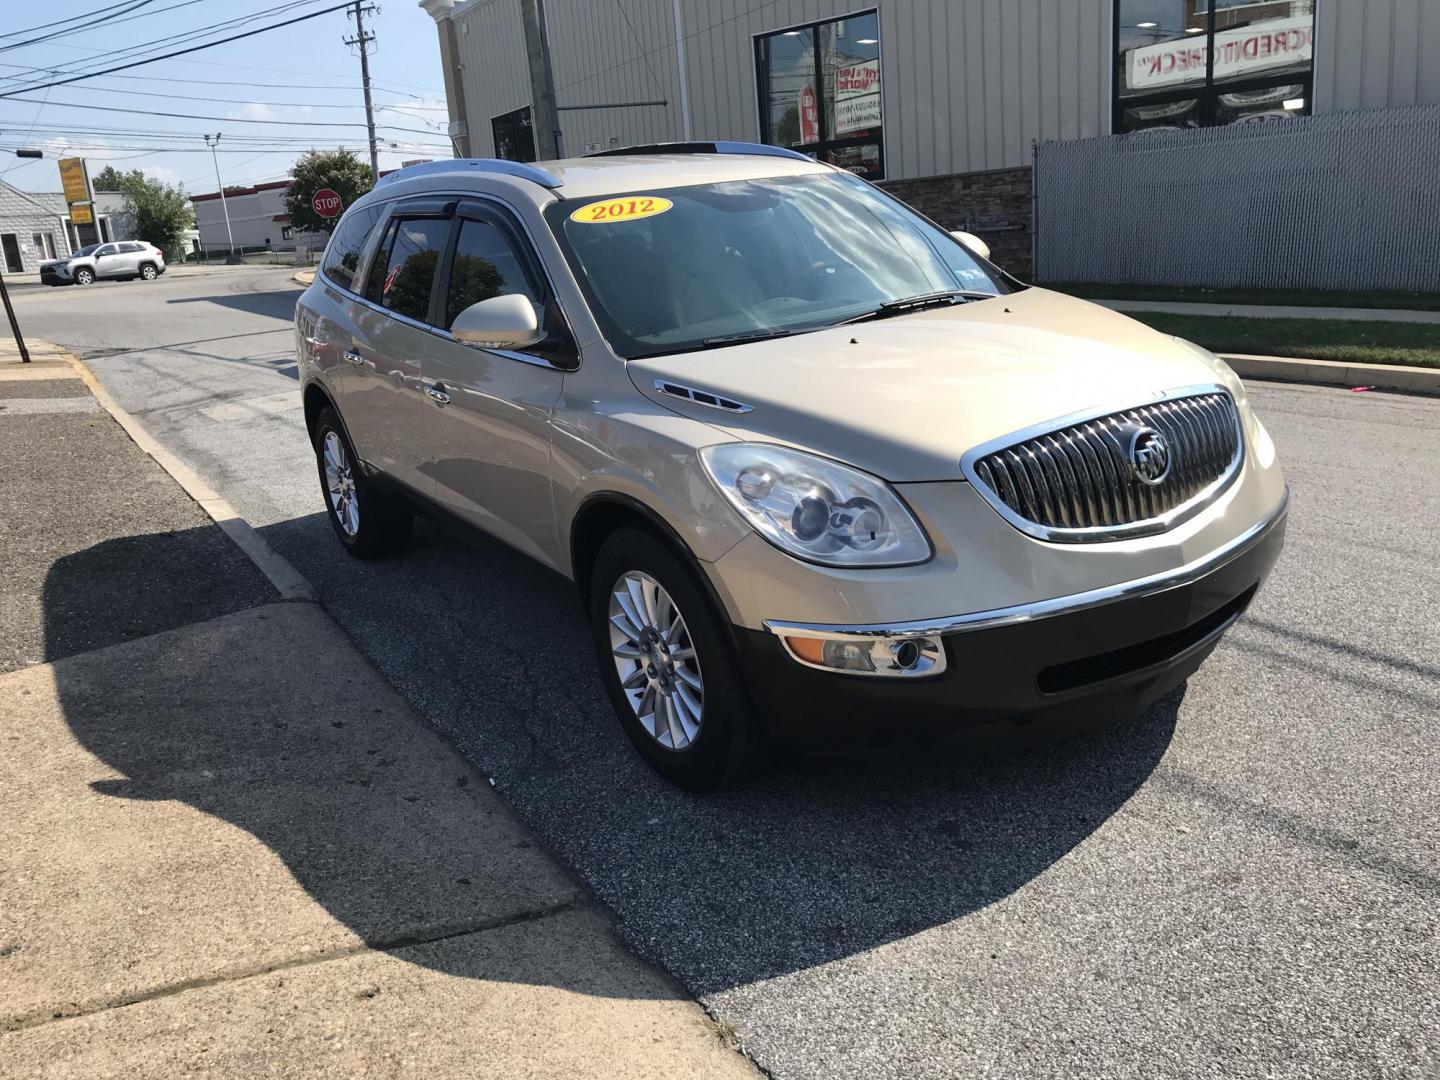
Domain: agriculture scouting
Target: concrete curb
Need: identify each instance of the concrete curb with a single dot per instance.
(1408, 380)
(304, 277)
(288, 581)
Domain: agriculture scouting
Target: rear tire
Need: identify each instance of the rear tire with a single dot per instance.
(368, 522)
(84, 277)
(149, 272)
(719, 743)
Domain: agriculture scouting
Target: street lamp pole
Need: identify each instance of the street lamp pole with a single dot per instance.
(223, 205)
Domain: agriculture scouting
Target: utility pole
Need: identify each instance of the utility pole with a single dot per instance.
(363, 40)
(545, 119)
(215, 156)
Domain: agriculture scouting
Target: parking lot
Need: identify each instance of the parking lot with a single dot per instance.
(1245, 883)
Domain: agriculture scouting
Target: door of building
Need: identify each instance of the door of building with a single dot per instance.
(13, 262)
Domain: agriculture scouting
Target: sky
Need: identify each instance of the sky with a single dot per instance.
(303, 74)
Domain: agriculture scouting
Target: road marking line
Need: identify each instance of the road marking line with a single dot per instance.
(288, 581)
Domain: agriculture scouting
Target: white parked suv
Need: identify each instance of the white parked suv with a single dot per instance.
(121, 260)
(822, 472)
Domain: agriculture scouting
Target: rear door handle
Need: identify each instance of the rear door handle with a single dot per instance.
(354, 358)
(439, 393)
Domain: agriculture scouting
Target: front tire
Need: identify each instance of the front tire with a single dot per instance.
(369, 523)
(669, 665)
(84, 277)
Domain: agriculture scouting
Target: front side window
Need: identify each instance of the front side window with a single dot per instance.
(1195, 63)
(819, 92)
(402, 274)
(486, 265)
(108, 249)
(717, 262)
(342, 254)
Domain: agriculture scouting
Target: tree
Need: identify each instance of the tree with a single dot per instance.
(339, 170)
(108, 179)
(162, 213)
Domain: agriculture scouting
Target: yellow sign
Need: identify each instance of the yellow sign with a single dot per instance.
(626, 209)
(80, 214)
(75, 180)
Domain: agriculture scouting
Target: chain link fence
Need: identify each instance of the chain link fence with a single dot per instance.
(1340, 201)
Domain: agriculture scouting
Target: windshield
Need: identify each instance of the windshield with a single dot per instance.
(88, 249)
(676, 269)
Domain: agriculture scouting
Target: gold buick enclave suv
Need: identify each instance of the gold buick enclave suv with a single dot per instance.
(823, 474)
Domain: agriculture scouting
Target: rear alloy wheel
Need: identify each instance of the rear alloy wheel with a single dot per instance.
(148, 272)
(84, 277)
(370, 523)
(669, 665)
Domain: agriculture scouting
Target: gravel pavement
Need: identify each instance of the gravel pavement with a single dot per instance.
(1245, 883)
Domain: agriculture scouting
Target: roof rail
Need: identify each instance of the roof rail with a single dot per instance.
(760, 149)
(490, 165)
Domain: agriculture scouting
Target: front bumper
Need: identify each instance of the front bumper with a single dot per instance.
(50, 276)
(1070, 662)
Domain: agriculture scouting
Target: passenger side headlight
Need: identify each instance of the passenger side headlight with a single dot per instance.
(816, 509)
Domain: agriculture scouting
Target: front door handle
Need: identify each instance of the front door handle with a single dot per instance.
(439, 393)
(354, 358)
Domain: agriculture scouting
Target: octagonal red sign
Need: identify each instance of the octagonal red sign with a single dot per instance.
(326, 203)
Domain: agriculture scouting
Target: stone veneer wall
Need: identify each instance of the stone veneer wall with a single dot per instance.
(995, 205)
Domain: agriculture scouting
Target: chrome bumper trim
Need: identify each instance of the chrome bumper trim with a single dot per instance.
(1044, 609)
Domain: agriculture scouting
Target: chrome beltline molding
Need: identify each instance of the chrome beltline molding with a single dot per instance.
(1044, 609)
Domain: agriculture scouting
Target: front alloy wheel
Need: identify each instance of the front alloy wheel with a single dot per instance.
(84, 277)
(655, 659)
(669, 663)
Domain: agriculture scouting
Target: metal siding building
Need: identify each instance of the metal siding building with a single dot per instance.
(967, 87)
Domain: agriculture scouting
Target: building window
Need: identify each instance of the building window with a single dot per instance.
(514, 136)
(819, 92)
(1195, 63)
(287, 232)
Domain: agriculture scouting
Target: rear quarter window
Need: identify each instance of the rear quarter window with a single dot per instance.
(342, 254)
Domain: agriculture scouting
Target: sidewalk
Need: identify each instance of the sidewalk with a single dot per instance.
(231, 849)
(32, 281)
(1263, 311)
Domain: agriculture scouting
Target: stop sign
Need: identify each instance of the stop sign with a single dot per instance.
(326, 203)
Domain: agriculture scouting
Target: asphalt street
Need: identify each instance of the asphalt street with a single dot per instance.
(1245, 883)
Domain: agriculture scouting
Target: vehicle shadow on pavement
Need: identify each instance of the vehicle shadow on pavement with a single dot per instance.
(277, 304)
(814, 861)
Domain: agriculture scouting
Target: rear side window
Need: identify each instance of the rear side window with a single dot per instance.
(486, 265)
(130, 249)
(402, 275)
(342, 255)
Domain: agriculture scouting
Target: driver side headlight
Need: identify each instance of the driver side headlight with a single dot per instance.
(814, 508)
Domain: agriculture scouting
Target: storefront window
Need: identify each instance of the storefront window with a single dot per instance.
(1193, 63)
(514, 137)
(820, 92)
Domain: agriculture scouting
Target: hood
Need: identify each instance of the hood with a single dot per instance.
(905, 397)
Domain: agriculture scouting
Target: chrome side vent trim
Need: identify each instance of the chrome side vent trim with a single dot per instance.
(1079, 478)
(701, 397)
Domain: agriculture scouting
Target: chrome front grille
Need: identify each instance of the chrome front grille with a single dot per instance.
(1078, 478)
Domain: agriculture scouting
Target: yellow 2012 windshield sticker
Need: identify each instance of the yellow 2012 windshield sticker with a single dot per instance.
(626, 209)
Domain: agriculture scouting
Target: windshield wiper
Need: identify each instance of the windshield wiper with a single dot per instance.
(908, 304)
(740, 339)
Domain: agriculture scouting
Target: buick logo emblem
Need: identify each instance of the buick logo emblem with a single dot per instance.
(1149, 456)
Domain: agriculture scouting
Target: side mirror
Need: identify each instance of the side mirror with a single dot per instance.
(502, 322)
(973, 242)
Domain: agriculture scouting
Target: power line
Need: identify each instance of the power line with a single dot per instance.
(145, 47)
(179, 52)
(58, 22)
(73, 29)
(281, 104)
(223, 119)
(223, 82)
